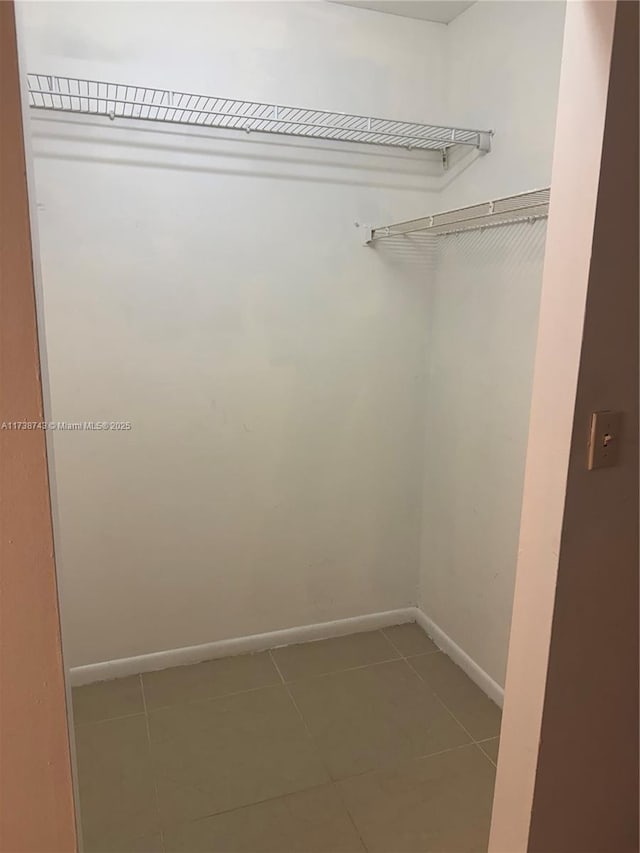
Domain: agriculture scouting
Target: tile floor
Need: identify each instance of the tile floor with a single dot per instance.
(371, 742)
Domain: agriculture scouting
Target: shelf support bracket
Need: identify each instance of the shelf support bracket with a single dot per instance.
(484, 141)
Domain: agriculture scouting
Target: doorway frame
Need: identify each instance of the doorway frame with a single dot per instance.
(38, 814)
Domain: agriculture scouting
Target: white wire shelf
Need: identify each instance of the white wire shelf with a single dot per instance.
(527, 206)
(120, 100)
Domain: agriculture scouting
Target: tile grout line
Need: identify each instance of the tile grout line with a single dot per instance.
(276, 667)
(391, 643)
(153, 769)
(450, 712)
(332, 781)
(335, 783)
(211, 698)
(86, 725)
(384, 768)
(401, 656)
(442, 702)
(233, 692)
(479, 745)
(285, 684)
(335, 671)
(226, 811)
(180, 702)
(436, 651)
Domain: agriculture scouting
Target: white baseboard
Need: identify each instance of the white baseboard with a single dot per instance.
(121, 667)
(461, 658)
(241, 645)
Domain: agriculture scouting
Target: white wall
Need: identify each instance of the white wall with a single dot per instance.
(504, 63)
(503, 73)
(212, 290)
(480, 362)
(280, 378)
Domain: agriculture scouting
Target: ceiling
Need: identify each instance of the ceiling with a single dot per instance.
(438, 11)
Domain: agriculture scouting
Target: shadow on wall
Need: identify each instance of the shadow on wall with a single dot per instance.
(168, 148)
(507, 246)
(417, 250)
(459, 162)
(513, 244)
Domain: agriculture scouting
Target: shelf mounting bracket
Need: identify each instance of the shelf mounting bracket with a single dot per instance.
(484, 141)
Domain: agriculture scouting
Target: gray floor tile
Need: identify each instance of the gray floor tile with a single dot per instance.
(124, 844)
(372, 717)
(313, 821)
(440, 804)
(338, 653)
(220, 754)
(115, 780)
(477, 713)
(107, 699)
(208, 679)
(236, 770)
(410, 639)
(491, 748)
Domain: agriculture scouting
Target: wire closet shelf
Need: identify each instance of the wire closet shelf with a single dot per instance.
(523, 207)
(121, 100)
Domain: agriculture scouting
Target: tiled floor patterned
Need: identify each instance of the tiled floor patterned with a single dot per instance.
(370, 742)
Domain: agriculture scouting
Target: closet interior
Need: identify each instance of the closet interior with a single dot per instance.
(288, 355)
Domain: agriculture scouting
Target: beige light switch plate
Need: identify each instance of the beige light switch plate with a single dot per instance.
(604, 439)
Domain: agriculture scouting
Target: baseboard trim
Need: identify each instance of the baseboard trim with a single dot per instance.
(461, 658)
(121, 667)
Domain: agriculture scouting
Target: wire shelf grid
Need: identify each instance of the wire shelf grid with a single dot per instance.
(527, 206)
(119, 100)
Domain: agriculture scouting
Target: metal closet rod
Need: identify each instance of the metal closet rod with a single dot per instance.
(145, 103)
(522, 207)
